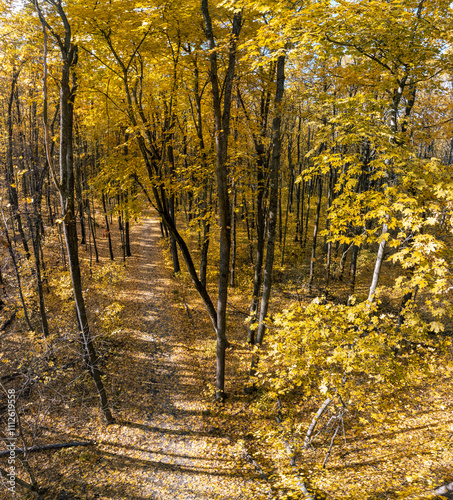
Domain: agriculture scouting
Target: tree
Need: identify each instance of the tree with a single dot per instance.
(222, 130)
(64, 182)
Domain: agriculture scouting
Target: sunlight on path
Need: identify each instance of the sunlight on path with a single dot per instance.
(171, 452)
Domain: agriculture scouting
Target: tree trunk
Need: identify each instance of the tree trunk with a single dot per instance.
(35, 231)
(65, 183)
(377, 266)
(353, 269)
(16, 271)
(315, 235)
(301, 223)
(273, 198)
(307, 216)
(233, 236)
(262, 164)
(171, 208)
(204, 251)
(107, 227)
(260, 236)
(222, 126)
(328, 243)
(280, 214)
(10, 178)
(80, 203)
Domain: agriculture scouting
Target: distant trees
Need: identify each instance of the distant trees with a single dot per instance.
(315, 133)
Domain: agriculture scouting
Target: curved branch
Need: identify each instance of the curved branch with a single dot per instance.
(101, 61)
(318, 415)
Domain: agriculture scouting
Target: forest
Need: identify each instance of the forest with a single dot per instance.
(226, 249)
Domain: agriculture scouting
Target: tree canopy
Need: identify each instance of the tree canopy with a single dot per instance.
(298, 158)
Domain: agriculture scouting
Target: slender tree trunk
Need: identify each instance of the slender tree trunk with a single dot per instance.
(233, 235)
(91, 225)
(280, 215)
(204, 203)
(49, 204)
(315, 235)
(289, 203)
(80, 203)
(273, 201)
(299, 184)
(171, 209)
(107, 227)
(247, 227)
(16, 271)
(10, 178)
(377, 266)
(121, 231)
(127, 225)
(206, 235)
(62, 250)
(222, 126)
(307, 216)
(65, 183)
(173, 246)
(35, 231)
(353, 269)
(329, 204)
(127, 229)
(258, 205)
(328, 243)
(292, 175)
(260, 236)
(301, 226)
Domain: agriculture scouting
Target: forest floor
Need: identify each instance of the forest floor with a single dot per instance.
(170, 440)
(162, 445)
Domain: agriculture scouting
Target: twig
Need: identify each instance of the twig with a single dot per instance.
(292, 456)
(244, 406)
(257, 466)
(325, 427)
(235, 310)
(446, 489)
(20, 482)
(8, 322)
(189, 314)
(11, 376)
(261, 472)
(55, 446)
(331, 443)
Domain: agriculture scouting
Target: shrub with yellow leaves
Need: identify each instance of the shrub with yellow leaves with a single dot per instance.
(333, 349)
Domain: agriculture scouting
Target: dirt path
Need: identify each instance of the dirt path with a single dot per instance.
(163, 446)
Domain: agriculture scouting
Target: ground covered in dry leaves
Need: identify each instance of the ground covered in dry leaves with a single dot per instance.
(164, 444)
(170, 441)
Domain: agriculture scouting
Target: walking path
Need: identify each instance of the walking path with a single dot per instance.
(163, 446)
